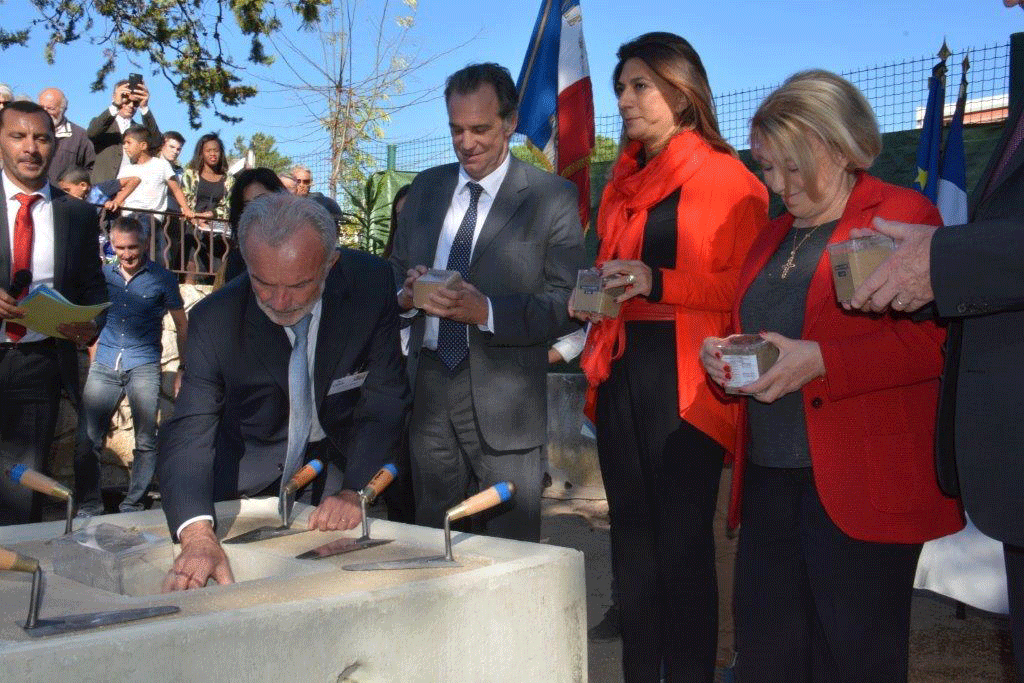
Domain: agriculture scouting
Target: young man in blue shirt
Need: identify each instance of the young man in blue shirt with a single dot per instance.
(127, 362)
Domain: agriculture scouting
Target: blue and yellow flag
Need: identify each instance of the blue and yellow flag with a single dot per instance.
(928, 149)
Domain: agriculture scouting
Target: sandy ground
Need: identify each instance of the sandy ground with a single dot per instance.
(943, 648)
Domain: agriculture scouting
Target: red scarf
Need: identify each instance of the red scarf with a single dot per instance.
(627, 197)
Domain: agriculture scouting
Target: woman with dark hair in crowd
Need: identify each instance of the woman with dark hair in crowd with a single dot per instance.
(675, 222)
(833, 479)
(249, 184)
(206, 185)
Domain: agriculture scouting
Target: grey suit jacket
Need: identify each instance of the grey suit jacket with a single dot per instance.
(525, 260)
(106, 139)
(229, 431)
(77, 273)
(977, 273)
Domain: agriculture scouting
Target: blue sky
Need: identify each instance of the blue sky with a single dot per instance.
(743, 45)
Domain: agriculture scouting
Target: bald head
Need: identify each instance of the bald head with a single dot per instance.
(55, 104)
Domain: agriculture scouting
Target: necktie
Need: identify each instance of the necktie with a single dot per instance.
(300, 410)
(452, 346)
(24, 231)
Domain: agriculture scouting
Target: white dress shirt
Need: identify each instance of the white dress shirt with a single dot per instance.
(452, 219)
(316, 432)
(42, 243)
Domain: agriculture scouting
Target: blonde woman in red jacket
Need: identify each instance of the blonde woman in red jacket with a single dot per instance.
(834, 477)
(676, 220)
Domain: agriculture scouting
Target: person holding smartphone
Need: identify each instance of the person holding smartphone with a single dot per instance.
(106, 130)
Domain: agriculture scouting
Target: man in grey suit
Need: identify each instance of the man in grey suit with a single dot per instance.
(478, 349)
(974, 274)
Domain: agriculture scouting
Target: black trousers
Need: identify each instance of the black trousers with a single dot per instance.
(1014, 557)
(813, 604)
(29, 399)
(451, 460)
(661, 476)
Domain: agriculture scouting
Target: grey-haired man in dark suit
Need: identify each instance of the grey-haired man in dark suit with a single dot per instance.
(245, 392)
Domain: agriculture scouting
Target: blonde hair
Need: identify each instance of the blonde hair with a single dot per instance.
(817, 104)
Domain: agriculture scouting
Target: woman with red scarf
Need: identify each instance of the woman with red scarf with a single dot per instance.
(676, 220)
(834, 477)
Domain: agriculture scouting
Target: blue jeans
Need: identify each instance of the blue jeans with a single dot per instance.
(103, 391)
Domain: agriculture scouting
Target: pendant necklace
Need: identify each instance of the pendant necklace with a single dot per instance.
(790, 263)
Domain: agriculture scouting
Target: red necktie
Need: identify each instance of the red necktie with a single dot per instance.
(24, 231)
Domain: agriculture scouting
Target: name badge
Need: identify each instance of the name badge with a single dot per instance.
(347, 383)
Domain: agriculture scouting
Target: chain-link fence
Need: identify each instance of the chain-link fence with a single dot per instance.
(897, 92)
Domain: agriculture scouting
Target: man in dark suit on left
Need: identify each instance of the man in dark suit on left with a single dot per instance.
(55, 237)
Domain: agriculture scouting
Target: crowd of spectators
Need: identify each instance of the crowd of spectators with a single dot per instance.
(123, 160)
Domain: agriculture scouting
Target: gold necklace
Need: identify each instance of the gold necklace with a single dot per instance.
(790, 263)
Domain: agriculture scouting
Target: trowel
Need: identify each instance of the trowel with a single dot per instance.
(37, 481)
(486, 499)
(380, 481)
(305, 475)
(36, 627)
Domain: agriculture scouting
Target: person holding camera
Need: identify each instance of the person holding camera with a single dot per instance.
(106, 130)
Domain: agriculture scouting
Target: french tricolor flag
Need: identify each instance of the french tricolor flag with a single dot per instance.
(556, 102)
(951, 193)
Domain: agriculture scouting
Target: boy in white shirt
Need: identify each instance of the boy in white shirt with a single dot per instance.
(157, 177)
(155, 173)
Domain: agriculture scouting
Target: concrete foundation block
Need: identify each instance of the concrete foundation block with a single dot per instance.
(512, 612)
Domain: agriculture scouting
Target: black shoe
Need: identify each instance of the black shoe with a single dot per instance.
(608, 629)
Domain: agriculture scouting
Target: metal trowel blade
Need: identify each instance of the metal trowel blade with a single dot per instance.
(412, 563)
(342, 545)
(263, 534)
(82, 622)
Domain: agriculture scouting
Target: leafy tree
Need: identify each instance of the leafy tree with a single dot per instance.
(524, 153)
(351, 79)
(183, 41)
(264, 148)
(368, 221)
(605, 149)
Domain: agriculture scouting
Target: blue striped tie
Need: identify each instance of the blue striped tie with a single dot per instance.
(452, 345)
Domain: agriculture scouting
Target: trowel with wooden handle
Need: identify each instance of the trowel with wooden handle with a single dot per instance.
(36, 627)
(37, 481)
(486, 499)
(380, 481)
(305, 475)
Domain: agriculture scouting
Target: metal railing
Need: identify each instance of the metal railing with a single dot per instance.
(896, 90)
(191, 248)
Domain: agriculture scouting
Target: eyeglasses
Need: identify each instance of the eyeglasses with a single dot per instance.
(304, 181)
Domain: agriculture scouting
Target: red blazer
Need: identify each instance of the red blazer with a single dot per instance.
(871, 417)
